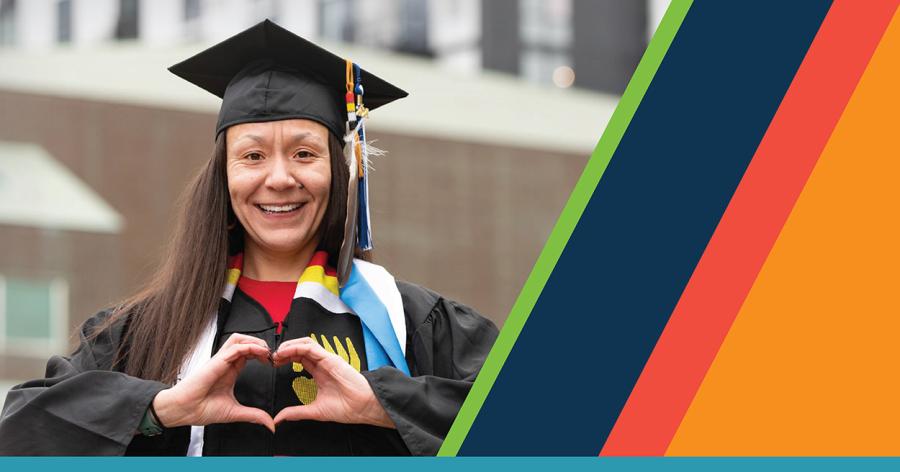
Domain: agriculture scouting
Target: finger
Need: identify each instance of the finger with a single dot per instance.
(238, 338)
(307, 352)
(287, 346)
(238, 351)
(291, 342)
(300, 412)
(246, 414)
(301, 344)
(223, 363)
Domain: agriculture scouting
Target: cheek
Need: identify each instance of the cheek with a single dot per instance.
(240, 186)
(319, 184)
(240, 183)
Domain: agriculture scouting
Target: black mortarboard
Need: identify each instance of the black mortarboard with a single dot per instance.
(267, 73)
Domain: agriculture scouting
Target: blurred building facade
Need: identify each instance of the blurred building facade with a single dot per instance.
(97, 140)
(593, 44)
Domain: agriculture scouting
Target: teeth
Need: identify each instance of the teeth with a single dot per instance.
(281, 208)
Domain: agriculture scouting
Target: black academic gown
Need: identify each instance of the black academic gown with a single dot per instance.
(85, 406)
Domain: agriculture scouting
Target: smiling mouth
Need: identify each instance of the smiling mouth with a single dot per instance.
(278, 209)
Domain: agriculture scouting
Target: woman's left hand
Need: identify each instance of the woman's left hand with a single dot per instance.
(344, 395)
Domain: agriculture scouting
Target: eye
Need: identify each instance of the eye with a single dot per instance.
(304, 154)
(254, 156)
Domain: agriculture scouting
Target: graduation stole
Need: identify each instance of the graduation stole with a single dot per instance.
(370, 293)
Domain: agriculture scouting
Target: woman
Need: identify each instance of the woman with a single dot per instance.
(345, 361)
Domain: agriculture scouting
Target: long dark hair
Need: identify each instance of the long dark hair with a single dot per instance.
(166, 317)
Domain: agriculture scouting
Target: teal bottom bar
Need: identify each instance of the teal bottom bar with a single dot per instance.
(467, 464)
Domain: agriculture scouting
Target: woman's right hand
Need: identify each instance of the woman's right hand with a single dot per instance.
(207, 396)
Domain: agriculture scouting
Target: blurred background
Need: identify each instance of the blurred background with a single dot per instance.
(97, 140)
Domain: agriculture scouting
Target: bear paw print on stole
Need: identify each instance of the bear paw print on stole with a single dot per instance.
(305, 387)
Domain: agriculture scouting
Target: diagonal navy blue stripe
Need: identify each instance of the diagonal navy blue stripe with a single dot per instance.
(645, 228)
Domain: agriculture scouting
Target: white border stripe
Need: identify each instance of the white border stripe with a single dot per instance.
(200, 356)
(318, 292)
(229, 292)
(385, 288)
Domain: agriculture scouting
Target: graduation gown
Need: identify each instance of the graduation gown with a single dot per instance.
(86, 406)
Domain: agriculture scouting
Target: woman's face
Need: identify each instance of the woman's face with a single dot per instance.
(279, 179)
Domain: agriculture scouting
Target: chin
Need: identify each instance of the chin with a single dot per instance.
(289, 244)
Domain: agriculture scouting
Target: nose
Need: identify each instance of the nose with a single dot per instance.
(280, 177)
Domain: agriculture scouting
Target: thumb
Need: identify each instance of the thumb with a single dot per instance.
(246, 414)
(296, 413)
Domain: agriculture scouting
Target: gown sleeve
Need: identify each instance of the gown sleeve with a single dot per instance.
(82, 407)
(447, 344)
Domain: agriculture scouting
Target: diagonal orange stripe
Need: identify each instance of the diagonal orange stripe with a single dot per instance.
(749, 227)
(809, 366)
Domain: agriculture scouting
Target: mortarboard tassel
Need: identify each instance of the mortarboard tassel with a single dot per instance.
(364, 228)
(351, 102)
(348, 245)
(351, 158)
(357, 228)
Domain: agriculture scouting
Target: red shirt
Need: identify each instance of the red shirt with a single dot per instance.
(275, 297)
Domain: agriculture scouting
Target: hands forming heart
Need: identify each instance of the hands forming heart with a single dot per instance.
(207, 397)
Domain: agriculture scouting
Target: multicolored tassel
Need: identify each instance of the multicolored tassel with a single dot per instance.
(364, 228)
(348, 97)
(358, 229)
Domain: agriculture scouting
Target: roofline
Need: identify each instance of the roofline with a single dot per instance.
(485, 107)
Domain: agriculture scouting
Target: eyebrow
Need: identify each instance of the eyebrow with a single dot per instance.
(304, 135)
(254, 137)
(294, 138)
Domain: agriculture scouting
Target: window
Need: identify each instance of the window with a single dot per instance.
(546, 35)
(191, 9)
(414, 28)
(33, 315)
(64, 21)
(336, 20)
(127, 26)
(7, 22)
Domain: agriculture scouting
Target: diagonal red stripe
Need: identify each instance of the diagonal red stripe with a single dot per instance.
(749, 227)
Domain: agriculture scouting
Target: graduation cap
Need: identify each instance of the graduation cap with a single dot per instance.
(267, 73)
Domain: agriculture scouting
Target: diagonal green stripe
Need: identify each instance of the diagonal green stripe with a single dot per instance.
(566, 223)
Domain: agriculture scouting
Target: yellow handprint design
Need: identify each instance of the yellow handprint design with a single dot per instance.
(305, 387)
